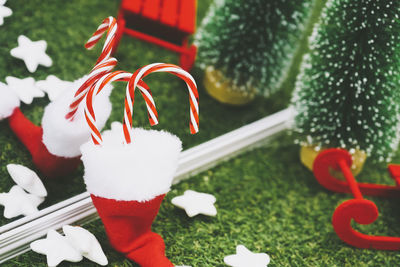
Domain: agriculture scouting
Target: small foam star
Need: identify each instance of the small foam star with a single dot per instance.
(245, 258)
(195, 203)
(27, 179)
(4, 11)
(32, 53)
(86, 243)
(8, 101)
(53, 86)
(17, 202)
(56, 248)
(25, 89)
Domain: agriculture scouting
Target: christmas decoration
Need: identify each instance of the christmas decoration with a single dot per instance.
(86, 243)
(76, 244)
(17, 202)
(195, 203)
(4, 11)
(55, 146)
(360, 210)
(56, 248)
(168, 24)
(9, 100)
(32, 53)
(53, 86)
(224, 90)
(25, 89)
(128, 171)
(104, 63)
(27, 179)
(245, 257)
(248, 46)
(347, 94)
(309, 153)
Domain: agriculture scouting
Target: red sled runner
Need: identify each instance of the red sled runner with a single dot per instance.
(363, 211)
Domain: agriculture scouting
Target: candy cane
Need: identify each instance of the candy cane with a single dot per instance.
(109, 24)
(96, 89)
(99, 70)
(160, 67)
(103, 65)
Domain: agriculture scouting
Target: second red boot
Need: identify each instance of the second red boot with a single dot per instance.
(127, 183)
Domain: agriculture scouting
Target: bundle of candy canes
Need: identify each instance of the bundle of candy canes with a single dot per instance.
(54, 146)
(129, 170)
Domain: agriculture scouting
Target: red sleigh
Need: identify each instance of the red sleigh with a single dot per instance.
(363, 211)
(167, 23)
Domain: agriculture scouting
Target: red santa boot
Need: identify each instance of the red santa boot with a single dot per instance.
(31, 136)
(127, 183)
(55, 146)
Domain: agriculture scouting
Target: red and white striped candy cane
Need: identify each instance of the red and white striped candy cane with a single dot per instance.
(104, 63)
(96, 89)
(100, 69)
(109, 24)
(160, 67)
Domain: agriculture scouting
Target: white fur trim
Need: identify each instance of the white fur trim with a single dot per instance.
(138, 171)
(8, 101)
(63, 137)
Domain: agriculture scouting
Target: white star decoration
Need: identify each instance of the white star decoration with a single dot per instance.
(32, 53)
(76, 244)
(17, 202)
(196, 203)
(86, 243)
(27, 179)
(25, 89)
(56, 248)
(245, 258)
(4, 11)
(53, 86)
(8, 101)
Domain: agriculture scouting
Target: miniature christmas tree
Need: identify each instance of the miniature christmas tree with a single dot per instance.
(347, 94)
(251, 42)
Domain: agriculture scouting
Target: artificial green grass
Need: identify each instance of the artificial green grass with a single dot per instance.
(267, 201)
(66, 26)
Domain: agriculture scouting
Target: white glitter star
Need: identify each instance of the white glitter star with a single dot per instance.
(4, 11)
(17, 202)
(32, 53)
(195, 203)
(245, 258)
(25, 89)
(56, 248)
(53, 86)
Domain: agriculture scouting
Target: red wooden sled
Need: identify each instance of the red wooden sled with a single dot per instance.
(363, 211)
(167, 23)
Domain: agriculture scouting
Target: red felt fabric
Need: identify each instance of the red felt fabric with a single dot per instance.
(31, 136)
(128, 226)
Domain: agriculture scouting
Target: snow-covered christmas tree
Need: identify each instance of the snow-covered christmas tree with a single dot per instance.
(252, 42)
(347, 94)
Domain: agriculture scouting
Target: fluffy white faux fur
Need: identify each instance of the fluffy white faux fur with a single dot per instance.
(138, 171)
(62, 137)
(8, 101)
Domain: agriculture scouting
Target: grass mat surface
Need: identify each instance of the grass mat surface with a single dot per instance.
(267, 201)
